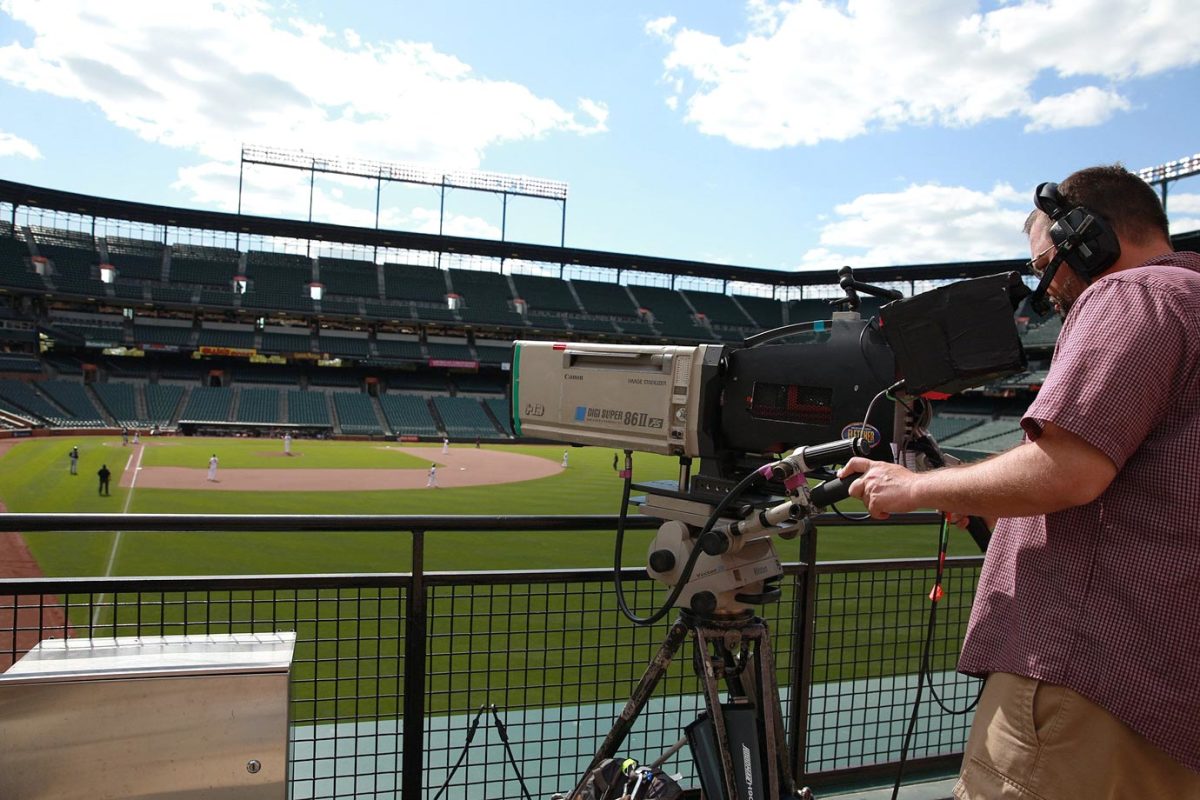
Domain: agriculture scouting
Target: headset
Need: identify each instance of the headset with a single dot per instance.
(1083, 239)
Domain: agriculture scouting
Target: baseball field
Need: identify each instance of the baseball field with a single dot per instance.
(255, 476)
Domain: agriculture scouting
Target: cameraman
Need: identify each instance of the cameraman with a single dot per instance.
(1084, 618)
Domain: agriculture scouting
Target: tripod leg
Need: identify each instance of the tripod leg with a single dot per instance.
(772, 716)
(637, 701)
(712, 699)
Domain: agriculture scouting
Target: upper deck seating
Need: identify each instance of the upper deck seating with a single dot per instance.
(604, 299)
(409, 282)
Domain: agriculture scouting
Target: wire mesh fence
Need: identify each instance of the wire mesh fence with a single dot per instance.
(390, 670)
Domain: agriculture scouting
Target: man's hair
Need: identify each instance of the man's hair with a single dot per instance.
(1123, 199)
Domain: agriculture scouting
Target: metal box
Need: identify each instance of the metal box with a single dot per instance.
(162, 717)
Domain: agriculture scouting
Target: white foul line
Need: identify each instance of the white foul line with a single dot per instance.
(112, 556)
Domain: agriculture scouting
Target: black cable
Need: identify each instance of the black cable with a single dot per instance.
(684, 576)
(502, 729)
(866, 417)
(466, 745)
(924, 669)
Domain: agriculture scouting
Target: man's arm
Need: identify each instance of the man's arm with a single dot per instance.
(1057, 470)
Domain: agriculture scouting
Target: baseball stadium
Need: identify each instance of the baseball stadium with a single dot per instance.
(309, 434)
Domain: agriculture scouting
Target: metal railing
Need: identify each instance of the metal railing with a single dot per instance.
(390, 669)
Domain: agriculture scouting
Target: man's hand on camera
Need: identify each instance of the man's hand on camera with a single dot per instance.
(884, 488)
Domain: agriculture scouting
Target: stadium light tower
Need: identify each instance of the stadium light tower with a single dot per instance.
(1170, 171)
(390, 171)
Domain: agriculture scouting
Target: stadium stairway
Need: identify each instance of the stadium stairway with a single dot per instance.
(437, 418)
(184, 399)
(105, 414)
(575, 294)
(491, 415)
(139, 403)
(331, 409)
(234, 403)
(380, 416)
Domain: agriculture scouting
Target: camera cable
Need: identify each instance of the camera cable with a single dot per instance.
(502, 729)
(924, 670)
(889, 392)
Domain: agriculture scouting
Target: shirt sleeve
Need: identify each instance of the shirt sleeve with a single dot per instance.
(1115, 369)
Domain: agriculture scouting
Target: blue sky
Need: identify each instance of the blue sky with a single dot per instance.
(763, 134)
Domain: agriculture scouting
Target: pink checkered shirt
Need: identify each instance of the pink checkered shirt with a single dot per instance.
(1103, 597)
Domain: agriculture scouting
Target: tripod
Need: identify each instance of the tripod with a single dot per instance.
(725, 646)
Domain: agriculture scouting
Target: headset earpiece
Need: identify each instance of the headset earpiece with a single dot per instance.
(1085, 240)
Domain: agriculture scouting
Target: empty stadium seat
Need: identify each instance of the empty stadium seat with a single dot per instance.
(308, 408)
(464, 417)
(26, 398)
(407, 282)
(718, 309)
(604, 299)
(121, 403)
(162, 400)
(343, 276)
(500, 411)
(408, 415)
(73, 397)
(258, 406)
(243, 339)
(542, 293)
(356, 414)
(208, 404)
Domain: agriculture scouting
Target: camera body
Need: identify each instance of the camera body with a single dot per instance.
(736, 407)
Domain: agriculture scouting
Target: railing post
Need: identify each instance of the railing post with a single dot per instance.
(803, 634)
(413, 758)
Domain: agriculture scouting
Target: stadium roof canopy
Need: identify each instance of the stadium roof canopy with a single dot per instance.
(19, 194)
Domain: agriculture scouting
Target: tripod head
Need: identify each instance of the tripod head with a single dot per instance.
(736, 566)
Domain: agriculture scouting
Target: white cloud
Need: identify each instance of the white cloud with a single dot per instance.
(1184, 212)
(597, 111)
(208, 77)
(425, 220)
(815, 70)
(1183, 203)
(13, 145)
(1084, 107)
(886, 229)
(661, 27)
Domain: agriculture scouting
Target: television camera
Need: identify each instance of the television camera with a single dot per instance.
(763, 418)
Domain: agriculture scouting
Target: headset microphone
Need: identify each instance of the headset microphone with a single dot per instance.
(1038, 301)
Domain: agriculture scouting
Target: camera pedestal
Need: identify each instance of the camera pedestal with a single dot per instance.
(725, 647)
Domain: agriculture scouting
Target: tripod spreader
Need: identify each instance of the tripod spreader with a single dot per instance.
(725, 650)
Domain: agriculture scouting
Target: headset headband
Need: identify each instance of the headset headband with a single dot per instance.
(1049, 201)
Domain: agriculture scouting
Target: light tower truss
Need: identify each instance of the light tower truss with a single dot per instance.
(1170, 171)
(390, 171)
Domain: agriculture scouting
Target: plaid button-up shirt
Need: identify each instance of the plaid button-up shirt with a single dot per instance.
(1103, 597)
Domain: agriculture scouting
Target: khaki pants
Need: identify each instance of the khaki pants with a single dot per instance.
(1038, 741)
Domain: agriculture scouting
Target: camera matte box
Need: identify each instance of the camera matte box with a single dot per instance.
(957, 336)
